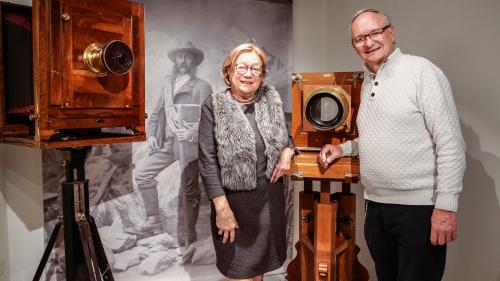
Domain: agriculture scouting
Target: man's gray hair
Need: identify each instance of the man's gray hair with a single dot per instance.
(385, 17)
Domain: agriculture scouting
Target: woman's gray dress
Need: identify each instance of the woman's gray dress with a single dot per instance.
(260, 243)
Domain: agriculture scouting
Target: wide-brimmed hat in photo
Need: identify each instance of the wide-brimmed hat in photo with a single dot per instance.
(187, 47)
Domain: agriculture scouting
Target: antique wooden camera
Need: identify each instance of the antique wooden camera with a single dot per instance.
(324, 110)
(72, 73)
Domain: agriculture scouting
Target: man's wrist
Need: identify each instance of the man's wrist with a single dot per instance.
(447, 202)
(345, 148)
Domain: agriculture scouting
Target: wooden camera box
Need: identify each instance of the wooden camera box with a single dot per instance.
(72, 73)
(324, 110)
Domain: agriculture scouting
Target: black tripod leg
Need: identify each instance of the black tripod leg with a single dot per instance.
(48, 249)
(101, 255)
(90, 257)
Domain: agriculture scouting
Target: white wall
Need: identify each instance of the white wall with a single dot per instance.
(462, 37)
(21, 212)
(309, 39)
(4, 243)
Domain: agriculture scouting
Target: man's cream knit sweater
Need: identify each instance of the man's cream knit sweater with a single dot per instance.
(410, 144)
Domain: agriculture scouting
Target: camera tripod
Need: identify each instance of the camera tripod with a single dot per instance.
(327, 249)
(85, 259)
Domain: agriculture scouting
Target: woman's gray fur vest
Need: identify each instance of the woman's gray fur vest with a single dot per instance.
(235, 138)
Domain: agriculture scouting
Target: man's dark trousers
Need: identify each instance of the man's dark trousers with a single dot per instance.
(398, 237)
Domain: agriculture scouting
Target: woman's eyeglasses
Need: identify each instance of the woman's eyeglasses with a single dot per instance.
(243, 68)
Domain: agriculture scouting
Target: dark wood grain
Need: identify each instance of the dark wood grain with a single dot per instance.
(66, 95)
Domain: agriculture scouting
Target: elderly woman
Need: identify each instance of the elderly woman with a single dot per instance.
(244, 150)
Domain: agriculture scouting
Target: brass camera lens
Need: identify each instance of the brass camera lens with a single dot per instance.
(118, 57)
(327, 108)
(114, 57)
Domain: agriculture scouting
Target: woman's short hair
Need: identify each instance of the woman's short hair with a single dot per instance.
(229, 61)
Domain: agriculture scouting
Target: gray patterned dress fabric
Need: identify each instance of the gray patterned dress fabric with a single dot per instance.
(260, 244)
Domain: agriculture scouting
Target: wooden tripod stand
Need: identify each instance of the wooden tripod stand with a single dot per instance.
(326, 249)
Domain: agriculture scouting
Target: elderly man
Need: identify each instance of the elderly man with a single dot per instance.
(411, 154)
(172, 134)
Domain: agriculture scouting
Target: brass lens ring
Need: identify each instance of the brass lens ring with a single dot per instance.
(92, 59)
(327, 108)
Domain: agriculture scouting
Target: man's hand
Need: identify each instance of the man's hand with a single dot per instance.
(329, 153)
(153, 143)
(183, 135)
(282, 167)
(224, 219)
(443, 227)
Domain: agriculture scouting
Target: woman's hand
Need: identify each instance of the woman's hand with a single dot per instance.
(224, 219)
(282, 167)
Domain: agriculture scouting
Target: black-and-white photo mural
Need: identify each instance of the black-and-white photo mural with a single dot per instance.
(147, 198)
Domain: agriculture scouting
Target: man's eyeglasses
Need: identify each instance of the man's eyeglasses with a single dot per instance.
(243, 68)
(374, 35)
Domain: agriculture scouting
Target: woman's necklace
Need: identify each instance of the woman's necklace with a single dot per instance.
(242, 100)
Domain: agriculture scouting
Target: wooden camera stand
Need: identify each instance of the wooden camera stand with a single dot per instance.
(327, 249)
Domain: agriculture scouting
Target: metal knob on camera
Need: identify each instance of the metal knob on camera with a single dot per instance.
(114, 57)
